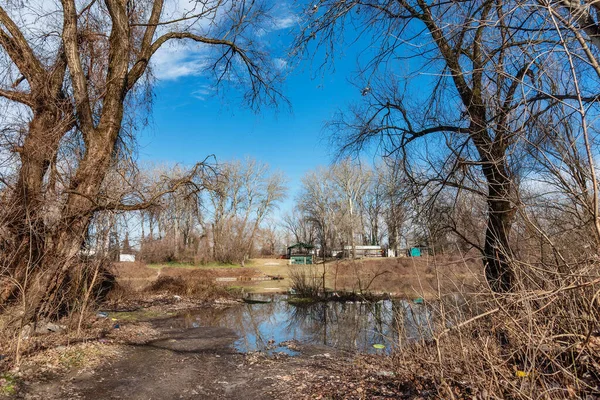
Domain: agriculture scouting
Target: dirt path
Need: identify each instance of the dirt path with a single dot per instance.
(196, 363)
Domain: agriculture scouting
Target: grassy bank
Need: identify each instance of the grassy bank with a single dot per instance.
(401, 277)
(210, 265)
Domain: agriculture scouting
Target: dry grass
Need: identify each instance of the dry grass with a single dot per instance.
(307, 281)
(541, 343)
(138, 277)
(208, 273)
(402, 277)
(209, 265)
(196, 287)
(405, 277)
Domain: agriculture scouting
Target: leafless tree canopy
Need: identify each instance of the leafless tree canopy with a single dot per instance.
(491, 109)
(351, 204)
(220, 216)
(465, 93)
(72, 75)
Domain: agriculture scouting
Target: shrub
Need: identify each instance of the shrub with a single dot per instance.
(198, 287)
(540, 342)
(306, 280)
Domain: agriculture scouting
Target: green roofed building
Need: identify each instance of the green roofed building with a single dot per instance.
(301, 253)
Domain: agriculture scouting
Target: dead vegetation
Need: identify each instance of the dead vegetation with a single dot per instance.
(35, 343)
(542, 342)
(408, 277)
(134, 287)
(137, 278)
(325, 376)
(200, 288)
(306, 281)
(537, 343)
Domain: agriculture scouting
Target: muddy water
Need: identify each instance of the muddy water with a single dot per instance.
(350, 326)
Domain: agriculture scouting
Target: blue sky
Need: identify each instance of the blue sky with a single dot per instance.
(190, 122)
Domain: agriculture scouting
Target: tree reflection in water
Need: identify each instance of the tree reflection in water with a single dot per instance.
(347, 326)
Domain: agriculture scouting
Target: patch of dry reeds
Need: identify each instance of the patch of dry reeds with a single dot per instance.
(541, 341)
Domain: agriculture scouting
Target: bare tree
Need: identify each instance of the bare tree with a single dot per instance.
(178, 211)
(395, 188)
(242, 195)
(483, 100)
(350, 182)
(82, 90)
(300, 227)
(270, 238)
(271, 190)
(316, 201)
(373, 208)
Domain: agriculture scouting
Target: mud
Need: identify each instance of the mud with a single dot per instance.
(198, 363)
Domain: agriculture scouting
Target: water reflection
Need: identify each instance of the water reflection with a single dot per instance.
(347, 326)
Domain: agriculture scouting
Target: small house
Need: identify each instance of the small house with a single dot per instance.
(414, 252)
(418, 251)
(300, 253)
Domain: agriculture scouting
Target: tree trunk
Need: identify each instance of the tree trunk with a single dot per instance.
(176, 238)
(142, 214)
(498, 270)
(62, 248)
(497, 251)
(151, 225)
(25, 218)
(352, 244)
(59, 260)
(492, 153)
(324, 245)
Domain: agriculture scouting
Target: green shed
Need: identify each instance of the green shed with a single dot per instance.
(414, 252)
(300, 253)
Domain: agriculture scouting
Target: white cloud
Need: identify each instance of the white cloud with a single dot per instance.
(280, 63)
(204, 92)
(284, 22)
(178, 9)
(178, 59)
(277, 23)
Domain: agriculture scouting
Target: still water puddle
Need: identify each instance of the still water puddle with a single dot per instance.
(350, 326)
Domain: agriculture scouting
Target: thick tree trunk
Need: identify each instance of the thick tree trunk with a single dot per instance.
(60, 259)
(498, 270)
(497, 251)
(62, 248)
(24, 220)
(492, 152)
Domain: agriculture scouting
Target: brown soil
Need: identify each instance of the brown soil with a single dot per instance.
(202, 364)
